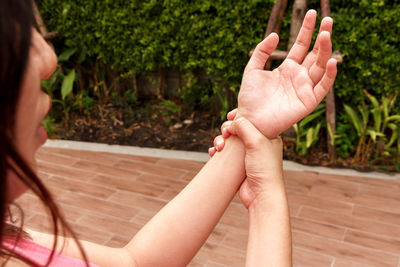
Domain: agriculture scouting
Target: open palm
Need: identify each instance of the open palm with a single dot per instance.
(274, 100)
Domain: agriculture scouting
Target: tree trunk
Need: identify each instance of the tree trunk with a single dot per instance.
(135, 85)
(274, 17)
(298, 13)
(330, 98)
(161, 83)
(42, 28)
(274, 24)
(277, 28)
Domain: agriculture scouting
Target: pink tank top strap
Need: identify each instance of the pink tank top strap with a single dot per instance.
(40, 255)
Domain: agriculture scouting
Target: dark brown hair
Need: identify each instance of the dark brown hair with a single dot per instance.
(16, 22)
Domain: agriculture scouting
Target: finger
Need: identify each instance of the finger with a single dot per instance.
(303, 40)
(224, 131)
(326, 83)
(219, 143)
(212, 151)
(326, 25)
(247, 132)
(262, 52)
(232, 114)
(317, 69)
(304, 89)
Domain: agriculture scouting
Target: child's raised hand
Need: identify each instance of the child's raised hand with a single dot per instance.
(275, 100)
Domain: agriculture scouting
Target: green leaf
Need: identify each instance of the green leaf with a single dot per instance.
(355, 119)
(398, 142)
(310, 118)
(332, 135)
(377, 115)
(316, 132)
(66, 54)
(385, 104)
(303, 149)
(82, 55)
(394, 135)
(372, 99)
(393, 118)
(374, 134)
(364, 114)
(296, 128)
(67, 84)
(309, 137)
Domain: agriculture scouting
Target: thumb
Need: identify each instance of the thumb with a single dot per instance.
(262, 52)
(247, 132)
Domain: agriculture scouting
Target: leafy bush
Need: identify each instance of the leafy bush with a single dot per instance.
(367, 34)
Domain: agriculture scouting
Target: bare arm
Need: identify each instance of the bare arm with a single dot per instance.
(269, 241)
(263, 194)
(178, 231)
(175, 234)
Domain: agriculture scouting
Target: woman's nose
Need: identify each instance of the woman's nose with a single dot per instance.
(45, 58)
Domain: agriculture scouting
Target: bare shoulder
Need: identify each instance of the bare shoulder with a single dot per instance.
(13, 263)
(96, 253)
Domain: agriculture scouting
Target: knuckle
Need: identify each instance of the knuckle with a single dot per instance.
(226, 124)
(218, 140)
(239, 122)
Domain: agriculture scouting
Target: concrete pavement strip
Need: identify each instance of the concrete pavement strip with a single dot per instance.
(203, 157)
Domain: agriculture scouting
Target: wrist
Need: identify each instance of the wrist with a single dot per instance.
(270, 200)
(267, 130)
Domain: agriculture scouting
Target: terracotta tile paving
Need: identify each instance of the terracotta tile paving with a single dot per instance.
(337, 220)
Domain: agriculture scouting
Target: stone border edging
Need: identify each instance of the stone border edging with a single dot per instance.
(129, 150)
(203, 157)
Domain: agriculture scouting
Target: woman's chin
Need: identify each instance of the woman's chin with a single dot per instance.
(15, 187)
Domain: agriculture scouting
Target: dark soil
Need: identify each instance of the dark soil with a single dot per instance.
(146, 126)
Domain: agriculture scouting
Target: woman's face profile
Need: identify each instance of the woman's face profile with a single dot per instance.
(33, 106)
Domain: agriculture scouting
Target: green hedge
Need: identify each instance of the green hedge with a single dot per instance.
(135, 37)
(367, 32)
(139, 36)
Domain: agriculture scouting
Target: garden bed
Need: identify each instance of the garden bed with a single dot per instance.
(158, 125)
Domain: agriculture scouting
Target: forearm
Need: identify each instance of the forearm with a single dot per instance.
(269, 241)
(177, 232)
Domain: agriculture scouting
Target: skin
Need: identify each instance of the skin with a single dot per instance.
(184, 224)
(274, 100)
(263, 194)
(33, 106)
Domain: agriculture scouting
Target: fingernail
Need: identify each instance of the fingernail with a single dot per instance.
(219, 143)
(223, 131)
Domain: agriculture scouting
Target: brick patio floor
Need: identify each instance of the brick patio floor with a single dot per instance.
(107, 198)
